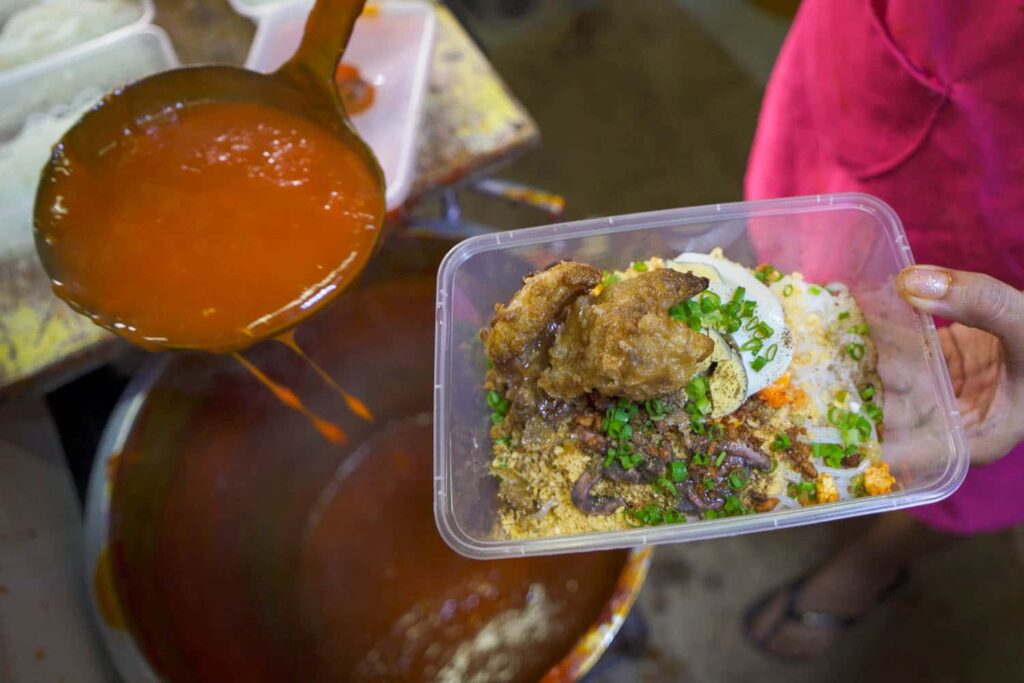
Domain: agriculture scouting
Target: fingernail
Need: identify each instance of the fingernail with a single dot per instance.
(926, 282)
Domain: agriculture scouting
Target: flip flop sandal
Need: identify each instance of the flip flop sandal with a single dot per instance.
(812, 619)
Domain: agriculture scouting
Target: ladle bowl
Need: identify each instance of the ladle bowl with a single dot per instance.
(304, 87)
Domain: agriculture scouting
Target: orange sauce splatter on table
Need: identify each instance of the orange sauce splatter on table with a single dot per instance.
(357, 94)
(209, 225)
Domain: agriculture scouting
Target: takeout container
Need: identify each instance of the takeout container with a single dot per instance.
(80, 50)
(392, 47)
(101, 65)
(852, 238)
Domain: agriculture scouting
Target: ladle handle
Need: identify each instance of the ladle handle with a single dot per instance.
(327, 33)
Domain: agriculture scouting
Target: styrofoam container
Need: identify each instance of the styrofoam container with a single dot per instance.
(255, 9)
(146, 13)
(56, 83)
(392, 50)
(851, 238)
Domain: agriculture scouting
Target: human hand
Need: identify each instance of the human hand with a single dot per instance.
(984, 351)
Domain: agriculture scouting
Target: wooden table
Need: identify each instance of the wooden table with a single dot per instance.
(472, 124)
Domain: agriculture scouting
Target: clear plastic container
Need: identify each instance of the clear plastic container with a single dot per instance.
(392, 49)
(145, 17)
(851, 238)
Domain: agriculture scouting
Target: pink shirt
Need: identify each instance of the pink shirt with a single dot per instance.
(922, 105)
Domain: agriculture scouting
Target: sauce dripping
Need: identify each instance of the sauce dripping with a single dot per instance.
(327, 429)
(360, 409)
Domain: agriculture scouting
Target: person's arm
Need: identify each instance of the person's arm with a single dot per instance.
(984, 350)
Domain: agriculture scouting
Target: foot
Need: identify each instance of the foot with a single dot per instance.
(803, 620)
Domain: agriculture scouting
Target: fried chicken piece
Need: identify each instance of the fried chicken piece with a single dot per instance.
(516, 328)
(623, 342)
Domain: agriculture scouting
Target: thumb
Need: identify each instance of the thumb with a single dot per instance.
(972, 299)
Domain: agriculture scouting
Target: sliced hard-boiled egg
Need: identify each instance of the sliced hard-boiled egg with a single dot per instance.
(763, 341)
(727, 377)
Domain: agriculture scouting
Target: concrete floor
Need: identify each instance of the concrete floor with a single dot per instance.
(646, 106)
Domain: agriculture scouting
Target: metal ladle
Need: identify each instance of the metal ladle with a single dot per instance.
(304, 86)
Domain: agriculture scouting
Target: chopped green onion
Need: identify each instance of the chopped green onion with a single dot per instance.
(752, 345)
(759, 363)
(496, 418)
(665, 486)
(703, 405)
(772, 350)
(797, 490)
(711, 514)
(737, 296)
(688, 312)
(748, 309)
(610, 457)
(650, 515)
(699, 459)
(867, 392)
(781, 442)
(733, 506)
(731, 325)
(719, 459)
(497, 403)
(503, 441)
(814, 290)
(738, 478)
(844, 315)
(763, 331)
(608, 279)
(787, 290)
(655, 409)
(861, 329)
(709, 302)
(873, 412)
(856, 351)
(835, 415)
(830, 453)
(640, 266)
(709, 483)
(697, 388)
(677, 470)
(629, 460)
(715, 430)
(674, 517)
(752, 324)
(775, 465)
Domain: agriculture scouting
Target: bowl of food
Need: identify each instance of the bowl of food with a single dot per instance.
(683, 375)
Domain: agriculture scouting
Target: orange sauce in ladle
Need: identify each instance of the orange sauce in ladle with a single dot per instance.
(209, 226)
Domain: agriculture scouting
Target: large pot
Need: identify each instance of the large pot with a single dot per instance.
(227, 540)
